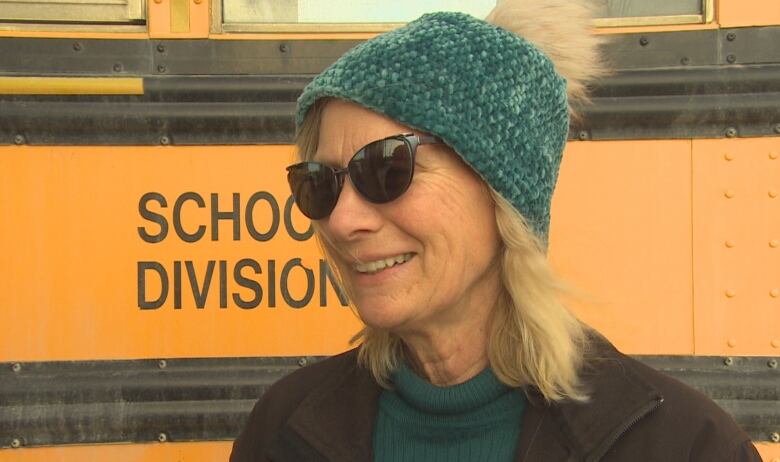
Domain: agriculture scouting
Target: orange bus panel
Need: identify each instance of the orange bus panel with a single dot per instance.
(744, 13)
(182, 452)
(621, 233)
(173, 19)
(77, 270)
(210, 451)
(736, 236)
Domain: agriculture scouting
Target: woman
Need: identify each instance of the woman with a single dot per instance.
(429, 158)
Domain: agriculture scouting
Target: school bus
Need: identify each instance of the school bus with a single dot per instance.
(156, 278)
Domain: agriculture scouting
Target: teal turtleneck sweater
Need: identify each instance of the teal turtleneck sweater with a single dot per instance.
(478, 420)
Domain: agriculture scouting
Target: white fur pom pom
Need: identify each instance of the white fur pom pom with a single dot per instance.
(563, 30)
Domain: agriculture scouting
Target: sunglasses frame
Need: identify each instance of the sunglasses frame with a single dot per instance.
(410, 139)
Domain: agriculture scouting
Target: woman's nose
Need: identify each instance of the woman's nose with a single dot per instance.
(353, 216)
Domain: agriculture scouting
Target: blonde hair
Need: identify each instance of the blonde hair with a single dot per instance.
(534, 339)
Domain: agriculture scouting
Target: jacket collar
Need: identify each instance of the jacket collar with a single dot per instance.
(618, 397)
(336, 421)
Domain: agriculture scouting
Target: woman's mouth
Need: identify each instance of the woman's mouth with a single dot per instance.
(382, 264)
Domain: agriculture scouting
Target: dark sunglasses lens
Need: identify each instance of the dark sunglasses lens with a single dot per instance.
(314, 187)
(382, 170)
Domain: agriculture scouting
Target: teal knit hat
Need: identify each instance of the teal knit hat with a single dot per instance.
(488, 93)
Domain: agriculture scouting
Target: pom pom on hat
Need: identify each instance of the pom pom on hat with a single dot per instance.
(561, 29)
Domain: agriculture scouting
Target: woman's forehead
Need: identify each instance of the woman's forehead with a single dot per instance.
(346, 127)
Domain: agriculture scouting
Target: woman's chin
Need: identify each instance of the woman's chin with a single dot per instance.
(384, 318)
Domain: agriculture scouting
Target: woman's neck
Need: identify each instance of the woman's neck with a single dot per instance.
(449, 357)
(452, 348)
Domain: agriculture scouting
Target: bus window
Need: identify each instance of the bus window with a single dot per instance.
(615, 13)
(73, 11)
(377, 16)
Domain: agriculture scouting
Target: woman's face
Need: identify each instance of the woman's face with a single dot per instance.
(445, 221)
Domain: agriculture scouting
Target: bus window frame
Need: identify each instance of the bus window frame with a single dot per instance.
(219, 26)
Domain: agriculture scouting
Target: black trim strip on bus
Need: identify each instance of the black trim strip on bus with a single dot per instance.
(689, 84)
(709, 102)
(69, 56)
(136, 401)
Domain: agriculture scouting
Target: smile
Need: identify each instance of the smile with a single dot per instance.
(385, 263)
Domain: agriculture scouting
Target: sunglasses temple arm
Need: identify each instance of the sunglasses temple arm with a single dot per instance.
(429, 139)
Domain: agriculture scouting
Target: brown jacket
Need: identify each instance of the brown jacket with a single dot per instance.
(326, 412)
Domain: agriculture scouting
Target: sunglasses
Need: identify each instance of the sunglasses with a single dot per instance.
(380, 171)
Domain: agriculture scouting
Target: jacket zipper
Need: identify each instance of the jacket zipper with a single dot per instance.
(615, 436)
